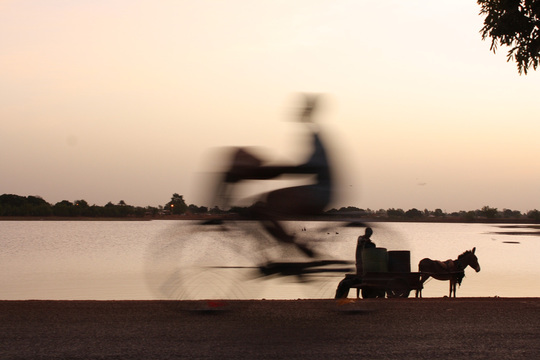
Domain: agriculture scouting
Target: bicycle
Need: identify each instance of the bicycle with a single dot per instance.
(227, 259)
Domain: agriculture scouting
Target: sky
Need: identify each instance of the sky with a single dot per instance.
(109, 100)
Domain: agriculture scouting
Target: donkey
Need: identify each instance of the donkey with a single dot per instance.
(452, 270)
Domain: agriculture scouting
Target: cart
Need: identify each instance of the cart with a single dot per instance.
(380, 284)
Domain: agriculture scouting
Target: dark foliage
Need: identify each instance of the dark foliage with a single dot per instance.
(516, 24)
(20, 206)
(15, 205)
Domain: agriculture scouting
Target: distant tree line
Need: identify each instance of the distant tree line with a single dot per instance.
(485, 213)
(20, 206)
(35, 206)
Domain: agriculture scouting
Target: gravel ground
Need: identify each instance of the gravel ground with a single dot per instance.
(462, 328)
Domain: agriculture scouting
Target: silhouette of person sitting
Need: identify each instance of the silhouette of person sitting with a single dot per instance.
(363, 242)
(292, 202)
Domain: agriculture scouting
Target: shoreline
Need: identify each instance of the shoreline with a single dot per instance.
(322, 218)
(473, 328)
(411, 299)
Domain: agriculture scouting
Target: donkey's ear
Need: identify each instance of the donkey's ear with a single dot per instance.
(473, 249)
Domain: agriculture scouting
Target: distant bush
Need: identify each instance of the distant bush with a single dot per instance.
(19, 206)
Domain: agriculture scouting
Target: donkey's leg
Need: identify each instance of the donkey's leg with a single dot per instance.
(423, 279)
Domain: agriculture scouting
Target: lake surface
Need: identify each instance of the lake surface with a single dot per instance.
(143, 260)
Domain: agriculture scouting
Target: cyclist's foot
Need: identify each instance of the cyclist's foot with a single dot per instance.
(212, 222)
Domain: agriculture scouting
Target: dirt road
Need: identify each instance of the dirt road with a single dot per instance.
(468, 328)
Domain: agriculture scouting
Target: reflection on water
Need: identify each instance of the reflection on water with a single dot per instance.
(74, 259)
(518, 230)
(142, 260)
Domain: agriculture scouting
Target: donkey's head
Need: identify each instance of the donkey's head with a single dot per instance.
(468, 258)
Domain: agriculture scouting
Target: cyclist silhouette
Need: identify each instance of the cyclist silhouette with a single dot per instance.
(292, 202)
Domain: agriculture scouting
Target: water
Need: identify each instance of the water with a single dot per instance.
(120, 260)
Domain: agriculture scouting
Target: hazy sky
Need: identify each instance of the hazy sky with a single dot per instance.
(109, 100)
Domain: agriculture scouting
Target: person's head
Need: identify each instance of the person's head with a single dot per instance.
(310, 104)
(369, 232)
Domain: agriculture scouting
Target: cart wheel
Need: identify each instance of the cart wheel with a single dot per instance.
(370, 292)
(398, 288)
